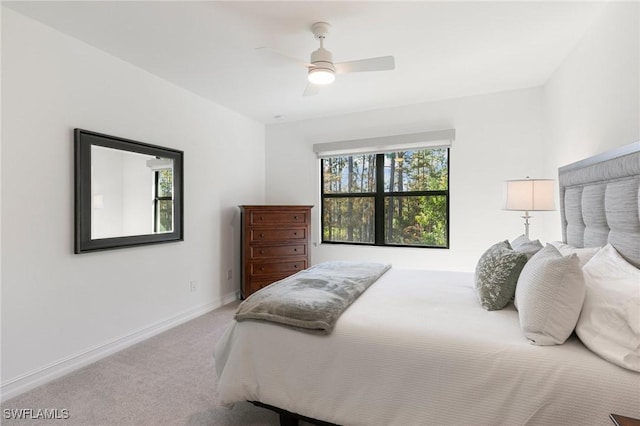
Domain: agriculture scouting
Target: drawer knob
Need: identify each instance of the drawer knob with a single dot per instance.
(295, 249)
(261, 218)
(261, 251)
(295, 233)
(295, 266)
(262, 268)
(295, 217)
(262, 235)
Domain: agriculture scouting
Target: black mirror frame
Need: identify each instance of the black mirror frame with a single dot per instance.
(83, 140)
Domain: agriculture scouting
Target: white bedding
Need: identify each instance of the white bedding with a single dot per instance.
(418, 349)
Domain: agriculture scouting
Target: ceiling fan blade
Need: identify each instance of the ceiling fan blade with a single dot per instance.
(283, 55)
(383, 63)
(311, 90)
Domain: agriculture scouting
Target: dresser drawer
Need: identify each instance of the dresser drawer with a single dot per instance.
(257, 269)
(256, 284)
(257, 218)
(278, 234)
(266, 252)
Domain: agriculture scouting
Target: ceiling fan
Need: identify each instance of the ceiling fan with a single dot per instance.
(322, 70)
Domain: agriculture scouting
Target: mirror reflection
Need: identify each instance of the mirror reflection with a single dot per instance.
(127, 193)
(131, 193)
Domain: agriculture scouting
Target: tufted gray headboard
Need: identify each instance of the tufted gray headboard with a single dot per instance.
(600, 201)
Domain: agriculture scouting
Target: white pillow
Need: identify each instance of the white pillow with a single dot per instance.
(524, 245)
(584, 254)
(549, 295)
(609, 324)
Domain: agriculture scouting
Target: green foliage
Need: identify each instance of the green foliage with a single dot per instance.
(354, 174)
(421, 221)
(165, 216)
(165, 207)
(424, 170)
(349, 219)
(165, 183)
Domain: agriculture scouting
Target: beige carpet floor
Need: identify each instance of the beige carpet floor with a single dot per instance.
(168, 379)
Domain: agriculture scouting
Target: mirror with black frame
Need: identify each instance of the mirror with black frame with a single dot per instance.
(127, 193)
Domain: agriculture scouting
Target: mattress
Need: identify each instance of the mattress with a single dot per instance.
(418, 349)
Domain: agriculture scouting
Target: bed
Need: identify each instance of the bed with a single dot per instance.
(417, 347)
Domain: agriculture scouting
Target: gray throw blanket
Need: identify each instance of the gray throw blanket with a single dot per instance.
(312, 299)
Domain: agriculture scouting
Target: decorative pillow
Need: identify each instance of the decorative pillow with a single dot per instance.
(497, 274)
(609, 324)
(524, 245)
(549, 296)
(584, 254)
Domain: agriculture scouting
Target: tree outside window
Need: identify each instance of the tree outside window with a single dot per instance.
(163, 201)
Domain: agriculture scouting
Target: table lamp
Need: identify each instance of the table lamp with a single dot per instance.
(529, 195)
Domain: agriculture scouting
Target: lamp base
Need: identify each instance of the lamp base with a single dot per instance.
(526, 218)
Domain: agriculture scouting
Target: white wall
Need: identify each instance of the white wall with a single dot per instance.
(498, 137)
(61, 309)
(592, 101)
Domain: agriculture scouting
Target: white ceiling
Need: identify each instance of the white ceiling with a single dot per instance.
(442, 49)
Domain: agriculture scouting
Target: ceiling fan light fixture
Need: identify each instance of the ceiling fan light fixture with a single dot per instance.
(321, 76)
(321, 70)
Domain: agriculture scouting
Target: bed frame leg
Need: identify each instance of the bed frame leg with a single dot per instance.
(287, 419)
(290, 419)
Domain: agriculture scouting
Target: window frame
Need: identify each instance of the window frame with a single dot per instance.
(379, 196)
(156, 202)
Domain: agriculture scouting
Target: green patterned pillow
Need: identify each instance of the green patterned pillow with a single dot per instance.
(497, 274)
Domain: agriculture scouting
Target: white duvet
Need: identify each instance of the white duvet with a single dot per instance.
(418, 349)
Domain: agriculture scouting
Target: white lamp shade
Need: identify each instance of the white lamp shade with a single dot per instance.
(529, 195)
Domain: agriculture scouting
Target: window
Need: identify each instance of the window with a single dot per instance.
(391, 199)
(163, 201)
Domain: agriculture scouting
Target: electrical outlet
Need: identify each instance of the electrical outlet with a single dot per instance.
(229, 274)
(193, 286)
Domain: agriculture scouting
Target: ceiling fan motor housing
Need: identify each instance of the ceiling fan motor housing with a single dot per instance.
(322, 59)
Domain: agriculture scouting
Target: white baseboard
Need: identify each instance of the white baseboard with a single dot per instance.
(16, 386)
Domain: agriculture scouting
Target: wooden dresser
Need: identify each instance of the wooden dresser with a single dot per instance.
(275, 244)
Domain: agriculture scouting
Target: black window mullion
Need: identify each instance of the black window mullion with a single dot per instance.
(322, 195)
(350, 195)
(156, 203)
(448, 198)
(379, 201)
(416, 193)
